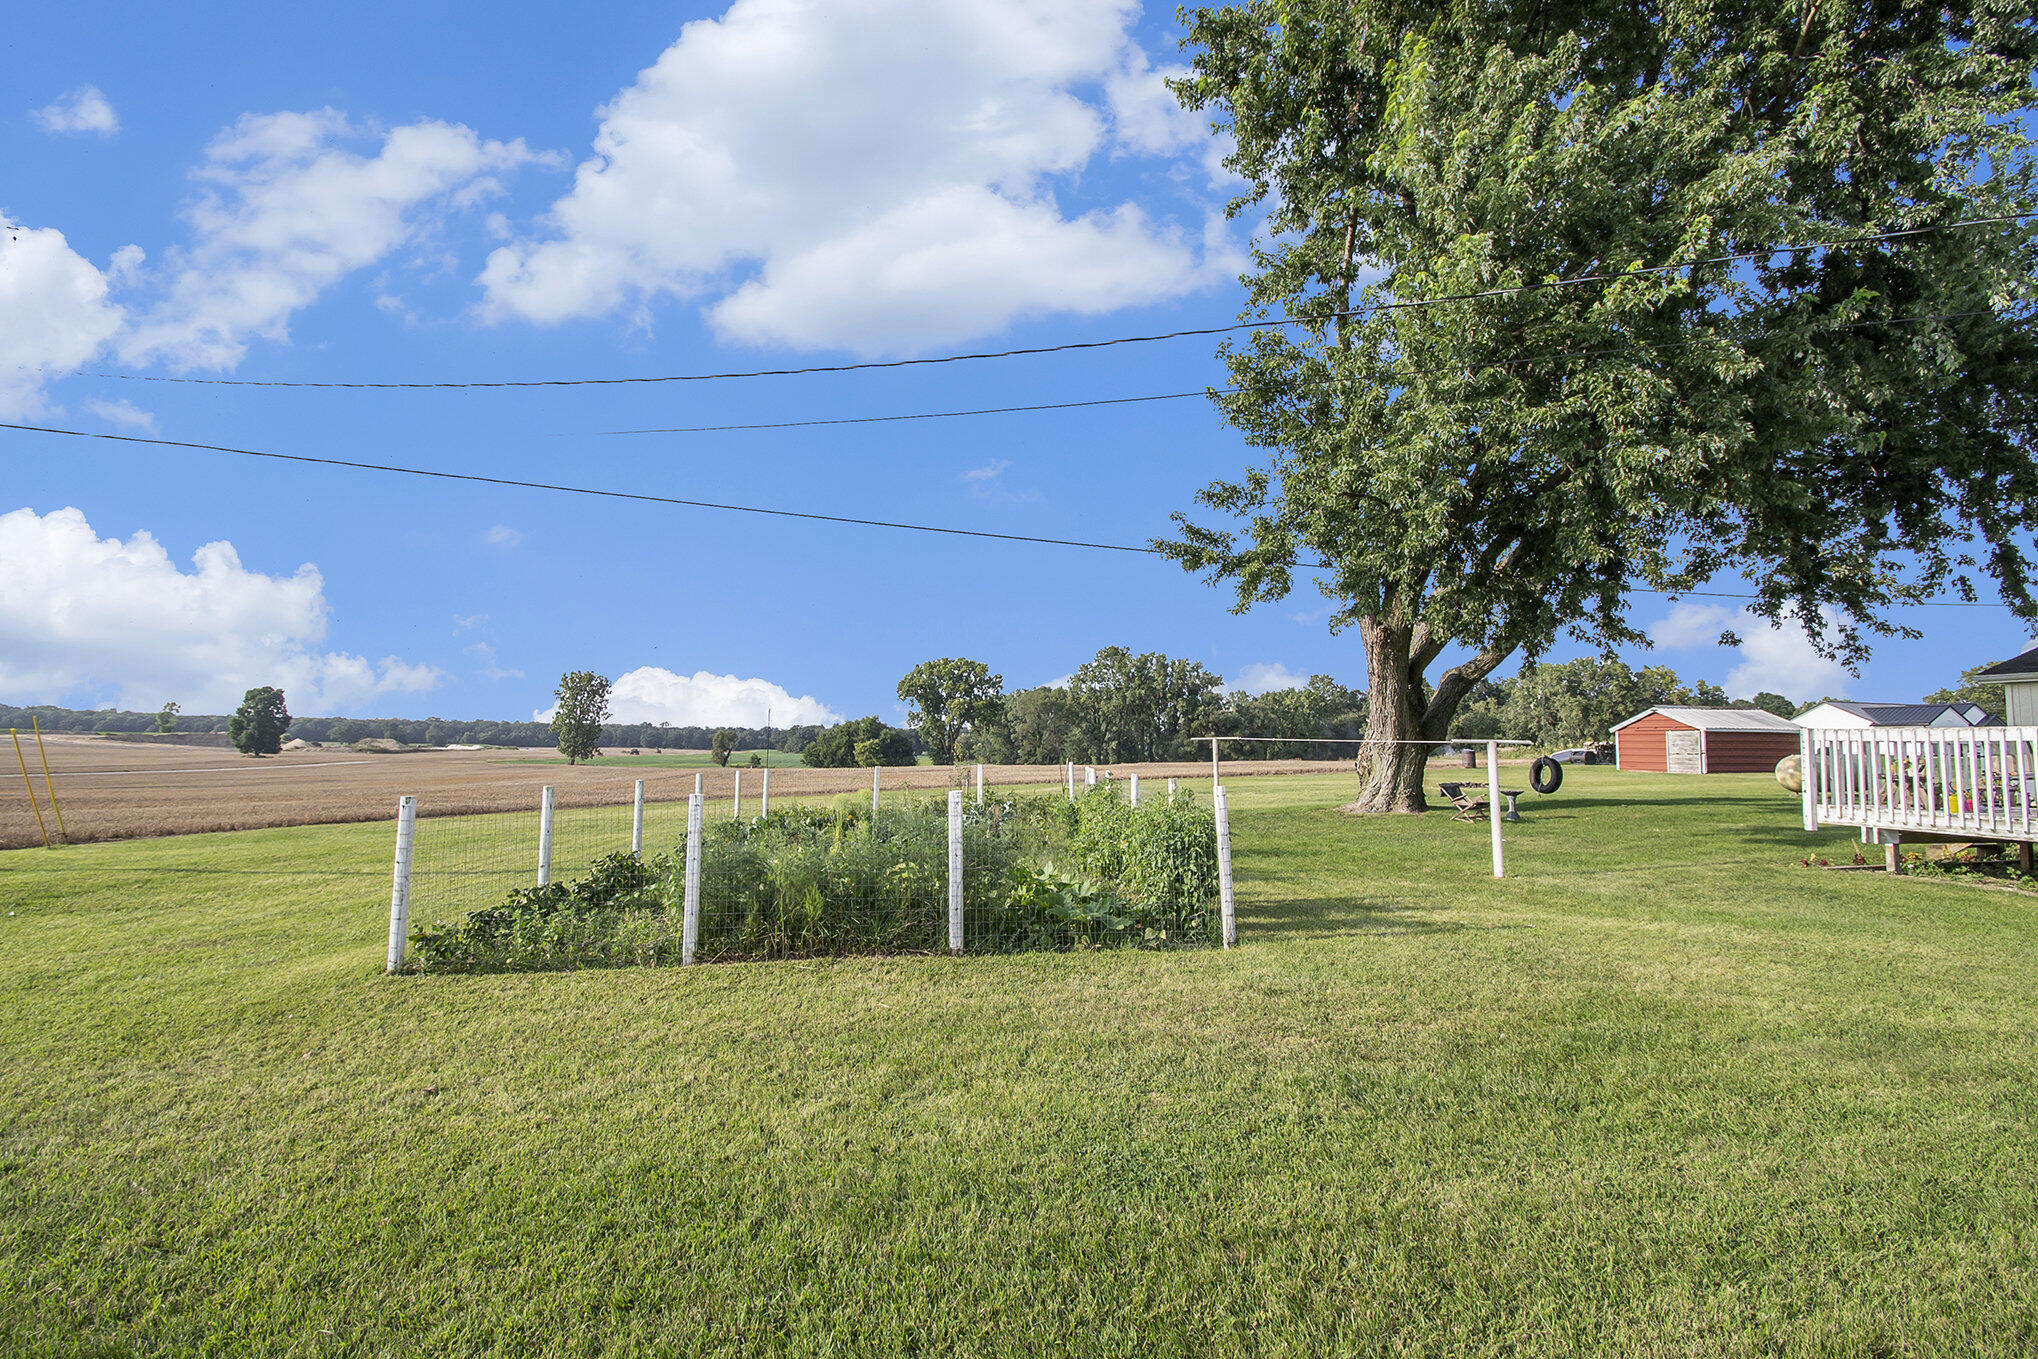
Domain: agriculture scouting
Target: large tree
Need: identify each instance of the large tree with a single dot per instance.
(580, 706)
(1141, 707)
(257, 726)
(1545, 351)
(950, 697)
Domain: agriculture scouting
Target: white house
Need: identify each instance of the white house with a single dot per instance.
(2019, 678)
(1843, 716)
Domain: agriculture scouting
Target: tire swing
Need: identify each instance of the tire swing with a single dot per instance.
(1546, 775)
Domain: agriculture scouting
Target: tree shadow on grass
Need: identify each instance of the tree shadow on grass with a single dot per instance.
(1324, 917)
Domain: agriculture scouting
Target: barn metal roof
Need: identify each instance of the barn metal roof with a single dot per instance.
(1718, 719)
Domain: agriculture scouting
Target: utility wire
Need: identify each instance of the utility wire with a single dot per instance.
(647, 498)
(1639, 271)
(1499, 361)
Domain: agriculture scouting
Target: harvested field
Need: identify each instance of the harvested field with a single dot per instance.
(121, 790)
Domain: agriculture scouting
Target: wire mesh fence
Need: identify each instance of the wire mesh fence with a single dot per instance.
(1094, 866)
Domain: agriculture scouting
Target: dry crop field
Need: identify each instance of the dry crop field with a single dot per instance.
(116, 790)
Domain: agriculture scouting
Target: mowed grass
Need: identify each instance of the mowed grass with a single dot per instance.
(1662, 1091)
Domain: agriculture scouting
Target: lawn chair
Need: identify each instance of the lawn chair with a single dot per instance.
(1469, 808)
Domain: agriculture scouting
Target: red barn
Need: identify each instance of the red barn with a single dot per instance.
(1704, 740)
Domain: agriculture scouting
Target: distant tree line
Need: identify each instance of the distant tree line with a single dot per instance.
(1118, 707)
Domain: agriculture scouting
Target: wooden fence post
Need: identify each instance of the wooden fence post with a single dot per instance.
(955, 873)
(637, 822)
(690, 919)
(545, 837)
(399, 888)
(1227, 900)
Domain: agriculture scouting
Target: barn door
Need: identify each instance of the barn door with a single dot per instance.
(1684, 752)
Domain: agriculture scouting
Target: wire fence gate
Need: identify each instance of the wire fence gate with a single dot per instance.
(1097, 862)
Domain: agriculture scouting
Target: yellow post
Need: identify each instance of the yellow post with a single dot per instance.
(50, 788)
(16, 734)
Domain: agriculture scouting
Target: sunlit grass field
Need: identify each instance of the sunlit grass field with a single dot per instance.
(1662, 1091)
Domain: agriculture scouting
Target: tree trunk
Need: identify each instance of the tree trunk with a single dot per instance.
(1390, 776)
(1403, 716)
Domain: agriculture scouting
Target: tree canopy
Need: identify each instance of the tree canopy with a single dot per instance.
(581, 705)
(950, 697)
(1590, 298)
(257, 726)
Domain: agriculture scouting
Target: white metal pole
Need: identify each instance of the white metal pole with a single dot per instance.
(690, 919)
(697, 785)
(1171, 790)
(1132, 790)
(545, 837)
(873, 788)
(736, 799)
(1227, 900)
(980, 785)
(1493, 804)
(637, 822)
(1213, 762)
(399, 888)
(1072, 781)
(764, 800)
(955, 872)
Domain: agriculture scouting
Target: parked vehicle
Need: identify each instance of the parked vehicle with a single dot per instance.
(1576, 755)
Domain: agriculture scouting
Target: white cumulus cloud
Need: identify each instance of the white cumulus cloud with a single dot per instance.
(85, 618)
(82, 110)
(1264, 677)
(287, 207)
(1778, 660)
(871, 175)
(54, 313)
(702, 699)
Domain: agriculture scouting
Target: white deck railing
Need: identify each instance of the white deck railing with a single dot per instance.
(1964, 780)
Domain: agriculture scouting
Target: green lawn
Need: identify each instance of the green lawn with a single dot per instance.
(1662, 1091)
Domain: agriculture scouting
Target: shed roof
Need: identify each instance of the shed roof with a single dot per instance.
(1718, 719)
(2017, 667)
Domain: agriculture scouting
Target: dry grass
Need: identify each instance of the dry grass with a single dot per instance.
(112, 790)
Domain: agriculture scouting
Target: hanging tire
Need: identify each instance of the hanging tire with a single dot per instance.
(1546, 775)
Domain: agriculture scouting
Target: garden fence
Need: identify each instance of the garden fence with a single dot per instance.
(1101, 862)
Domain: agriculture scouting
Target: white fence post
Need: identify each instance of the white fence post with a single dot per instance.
(1227, 901)
(545, 837)
(637, 822)
(1493, 805)
(980, 785)
(873, 788)
(697, 785)
(1171, 790)
(1133, 789)
(736, 799)
(1089, 776)
(1072, 781)
(399, 889)
(690, 919)
(955, 873)
(1807, 779)
(764, 800)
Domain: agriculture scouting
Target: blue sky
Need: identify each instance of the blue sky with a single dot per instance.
(404, 193)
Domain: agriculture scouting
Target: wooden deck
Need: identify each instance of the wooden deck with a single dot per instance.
(1972, 783)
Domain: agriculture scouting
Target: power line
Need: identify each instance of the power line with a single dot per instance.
(648, 498)
(1497, 361)
(1639, 271)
